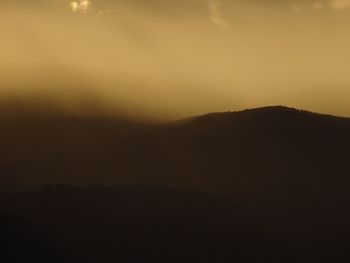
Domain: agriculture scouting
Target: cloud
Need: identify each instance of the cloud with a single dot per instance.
(216, 14)
(296, 8)
(81, 6)
(104, 12)
(318, 5)
(339, 4)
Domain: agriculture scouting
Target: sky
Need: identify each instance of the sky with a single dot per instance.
(177, 58)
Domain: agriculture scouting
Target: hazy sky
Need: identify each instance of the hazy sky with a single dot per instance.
(181, 57)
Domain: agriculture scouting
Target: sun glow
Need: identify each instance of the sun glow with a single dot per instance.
(81, 5)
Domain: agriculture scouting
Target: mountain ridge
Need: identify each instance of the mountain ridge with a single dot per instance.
(264, 112)
(248, 153)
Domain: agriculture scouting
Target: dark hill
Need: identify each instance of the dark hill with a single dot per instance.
(258, 151)
(266, 151)
(132, 224)
(284, 173)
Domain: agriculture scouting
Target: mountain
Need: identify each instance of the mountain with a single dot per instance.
(107, 224)
(265, 151)
(64, 223)
(268, 183)
(23, 240)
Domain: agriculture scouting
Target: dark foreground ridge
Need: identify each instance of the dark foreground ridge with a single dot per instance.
(278, 180)
(62, 223)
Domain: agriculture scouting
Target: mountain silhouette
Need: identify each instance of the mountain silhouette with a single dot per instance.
(249, 186)
(265, 151)
(65, 223)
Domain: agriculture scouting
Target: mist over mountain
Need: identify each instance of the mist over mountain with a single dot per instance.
(105, 91)
(118, 142)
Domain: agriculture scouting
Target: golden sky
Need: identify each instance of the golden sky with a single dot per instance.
(175, 58)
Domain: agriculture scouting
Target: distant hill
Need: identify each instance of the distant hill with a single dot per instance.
(277, 180)
(275, 147)
(265, 151)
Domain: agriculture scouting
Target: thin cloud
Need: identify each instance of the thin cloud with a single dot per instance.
(296, 8)
(216, 14)
(339, 4)
(318, 5)
(81, 6)
(104, 12)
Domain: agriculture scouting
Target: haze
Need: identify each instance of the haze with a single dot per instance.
(177, 58)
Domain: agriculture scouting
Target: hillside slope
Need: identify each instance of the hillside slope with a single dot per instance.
(262, 151)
